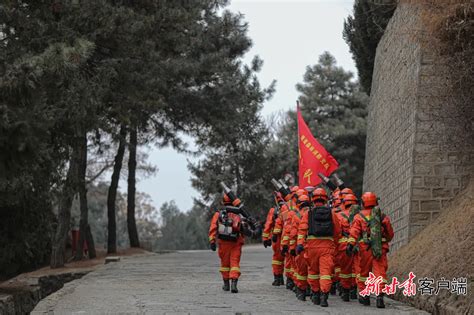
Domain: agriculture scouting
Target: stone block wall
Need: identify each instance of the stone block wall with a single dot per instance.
(416, 161)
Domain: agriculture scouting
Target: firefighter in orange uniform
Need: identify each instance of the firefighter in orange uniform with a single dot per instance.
(347, 282)
(300, 263)
(319, 232)
(227, 230)
(282, 227)
(368, 263)
(278, 259)
(336, 207)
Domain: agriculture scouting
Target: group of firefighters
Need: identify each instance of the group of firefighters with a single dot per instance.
(322, 243)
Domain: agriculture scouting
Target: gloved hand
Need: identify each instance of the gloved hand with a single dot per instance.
(284, 250)
(213, 246)
(267, 243)
(274, 238)
(349, 249)
(293, 252)
(299, 249)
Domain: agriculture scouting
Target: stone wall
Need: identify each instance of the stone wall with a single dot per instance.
(416, 157)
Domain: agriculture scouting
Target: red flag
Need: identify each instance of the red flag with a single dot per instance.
(313, 158)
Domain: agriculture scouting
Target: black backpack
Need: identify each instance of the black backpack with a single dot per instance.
(320, 221)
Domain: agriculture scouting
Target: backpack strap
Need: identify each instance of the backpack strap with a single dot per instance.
(345, 216)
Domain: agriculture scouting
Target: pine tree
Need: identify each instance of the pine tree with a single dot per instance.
(363, 31)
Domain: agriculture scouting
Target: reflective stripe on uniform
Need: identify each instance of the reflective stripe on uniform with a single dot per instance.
(312, 237)
(300, 277)
(360, 278)
(235, 269)
(287, 270)
(224, 269)
(325, 277)
(292, 242)
(313, 277)
(211, 238)
(345, 275)
(265, 234)
(277, 262)
(286, 238)
(300, 236)
(346, 239)
(354, 275)
(275, 231)
(337, 269)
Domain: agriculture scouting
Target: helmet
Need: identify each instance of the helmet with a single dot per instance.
(303, 198)
(320, 194)
(346, 191)
(278, 196)
(301, 192)
(369, 199)
(294, 189)
(349, 199)
(226, 200)
(303, 201)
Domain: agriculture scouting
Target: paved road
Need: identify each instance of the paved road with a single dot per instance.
(188, 282)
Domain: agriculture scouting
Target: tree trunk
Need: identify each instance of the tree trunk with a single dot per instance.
(112, 195)
(132, 167)
(84, 229)
(64, 214)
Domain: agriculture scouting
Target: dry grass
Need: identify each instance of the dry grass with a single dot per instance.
(445, 248)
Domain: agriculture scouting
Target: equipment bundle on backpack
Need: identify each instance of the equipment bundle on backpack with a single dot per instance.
(320, 222)
(228, 225)
(373, 236)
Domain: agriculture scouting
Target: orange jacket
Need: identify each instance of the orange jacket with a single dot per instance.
(285, 236)
(359, 225)
(343, 218)
(269, 224)
(281, 219)
(295, 223)
(321, 242)
(214, 226)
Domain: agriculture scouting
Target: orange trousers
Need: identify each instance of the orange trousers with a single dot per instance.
(229, 253)
(301, 271)
(289, 266)
(320, 268)
(345, 263)
(278, 259)
(367, 263)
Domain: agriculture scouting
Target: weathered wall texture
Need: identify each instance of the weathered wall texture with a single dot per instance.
(417, 157)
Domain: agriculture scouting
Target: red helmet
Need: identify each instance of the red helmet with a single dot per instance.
(303, 198)
(349, 199)
(301, 192)
(369, 199)
(294, 189)
(226, 200)
(278, 196)
(346, 191)
(320, 194)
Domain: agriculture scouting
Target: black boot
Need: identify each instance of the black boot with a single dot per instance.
(276, 281)
(339, 288)
(379, 301)
(233, 286)
(281, 280)
(353, 294)
(226, 286)
(316, 298)
(289, 283)
(308, 291)
(333, 288)
(324, 299)
(300, 294)
(364, 300)
(345, 294)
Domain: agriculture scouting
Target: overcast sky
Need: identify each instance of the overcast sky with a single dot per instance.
(288, 36)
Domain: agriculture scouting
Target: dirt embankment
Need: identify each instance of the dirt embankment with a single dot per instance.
(444, 249)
